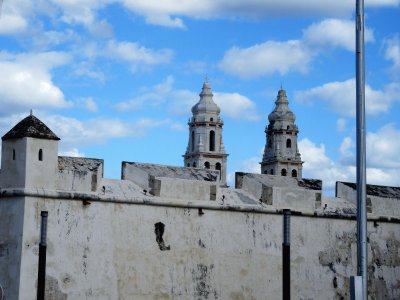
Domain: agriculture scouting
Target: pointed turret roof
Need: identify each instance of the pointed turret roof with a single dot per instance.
(281, 111)
(30, 127)
(206, 103)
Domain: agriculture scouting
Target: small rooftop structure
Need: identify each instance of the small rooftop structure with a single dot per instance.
(30, 127)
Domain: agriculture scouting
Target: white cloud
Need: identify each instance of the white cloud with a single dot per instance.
(383, 148)
(266, 58)
(75, 132)
(11, 24)
(169, 12)
(73, 152)
(236, 106)
(137, 55)
(392, 53)
(88, 103)
(180, 102)
(334, 33)
(341, 97)
(383, 161)
(26, 81)
(318, 165)
(79, 11)
(292, 55)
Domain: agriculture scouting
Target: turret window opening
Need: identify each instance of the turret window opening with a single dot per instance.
(40, 155)
(192, 141)
(194, 165)
(13, 154)
(294, 173)
(188, 165)
(211, 119)
(212, 140)
(288, 143)
(272, 172)
(207, 165)
(218, 167)
(283, 172)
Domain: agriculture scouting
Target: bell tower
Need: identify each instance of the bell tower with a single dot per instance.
(281, 154)
(205, 147)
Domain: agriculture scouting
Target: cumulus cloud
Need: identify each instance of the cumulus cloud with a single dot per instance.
(169, 13)
(267, 58)
(26, 81)
(383, 147)
(392, 53)
(88, 103)
(180, 101)
(137, 55)
(334, 33)
(73, 152)
(341, 97)
(75, 132)
(11, 24)
(79, 11)
(237, 106)
(382, 159)
(318, 165)
(293, 55)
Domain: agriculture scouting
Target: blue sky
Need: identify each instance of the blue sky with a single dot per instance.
(116, 79)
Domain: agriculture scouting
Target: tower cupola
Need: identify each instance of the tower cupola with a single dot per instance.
(281, 154)
(205, 147)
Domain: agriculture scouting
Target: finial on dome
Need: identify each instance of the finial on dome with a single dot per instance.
(31, 112)
(206, 78)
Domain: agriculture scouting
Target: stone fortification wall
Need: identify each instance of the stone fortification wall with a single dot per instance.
(183, 189)
(282, 192)
(141, 173)
(79, 174)
(382, 201)
(102, 249)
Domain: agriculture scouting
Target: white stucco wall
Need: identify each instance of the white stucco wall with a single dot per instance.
(11, 235)
(109, 251)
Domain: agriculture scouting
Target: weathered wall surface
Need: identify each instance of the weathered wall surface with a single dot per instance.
(106, 250)
(183, 189)
(382, 201)
(79, 174)
(11, 226)
(140, 173)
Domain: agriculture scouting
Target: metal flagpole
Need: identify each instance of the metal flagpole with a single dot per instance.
(362, 259)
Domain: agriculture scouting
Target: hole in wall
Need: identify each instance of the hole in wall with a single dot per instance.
(159, 231)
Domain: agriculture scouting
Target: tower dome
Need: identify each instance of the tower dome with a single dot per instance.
(206, 103)
(281, 111)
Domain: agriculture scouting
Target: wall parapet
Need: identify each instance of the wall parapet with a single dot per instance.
(87, 198)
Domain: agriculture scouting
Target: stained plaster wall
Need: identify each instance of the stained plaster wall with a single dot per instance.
(386, 205)
(79, 174)
(11, 235)
(109, 250)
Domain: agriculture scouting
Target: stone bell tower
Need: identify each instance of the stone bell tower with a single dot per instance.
(281, 154)
(205, 147)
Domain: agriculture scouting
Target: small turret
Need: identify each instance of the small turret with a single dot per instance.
(29, 155)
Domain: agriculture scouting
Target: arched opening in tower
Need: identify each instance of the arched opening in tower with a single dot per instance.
(212, 140)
